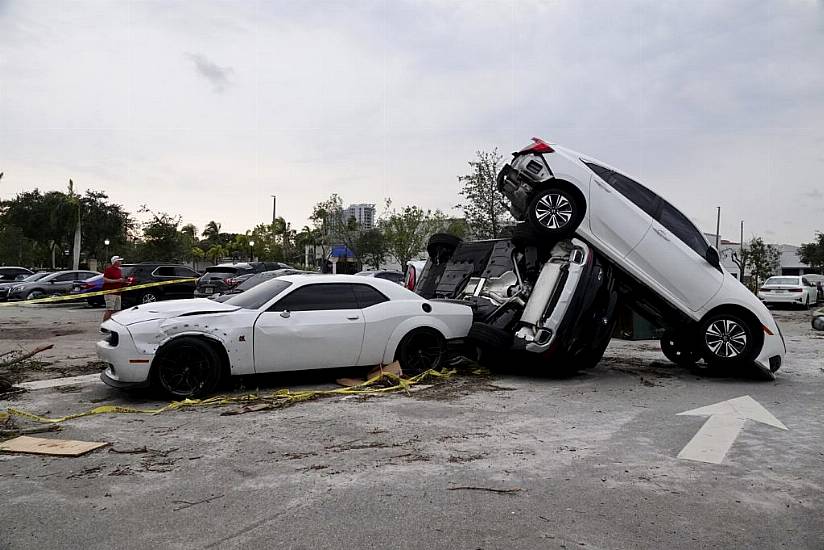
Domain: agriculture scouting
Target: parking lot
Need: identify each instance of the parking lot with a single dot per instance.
(477, 461)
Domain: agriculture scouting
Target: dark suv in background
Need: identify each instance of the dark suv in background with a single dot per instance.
(155, 272)
(222, 277)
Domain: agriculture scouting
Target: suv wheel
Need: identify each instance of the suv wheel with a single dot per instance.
(149, 297)
(725, 339)
(554, 212)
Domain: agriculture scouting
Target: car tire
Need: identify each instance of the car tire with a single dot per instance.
(818, 322)
(555, 212)
(35, 294)
(679, 349)
(441, 246)
(488, 337)
(740, 346)
(186, 368)
(149, 297)
(421, 350)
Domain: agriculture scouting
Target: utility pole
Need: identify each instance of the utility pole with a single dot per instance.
(717, 228)
(274, 208)
(742, 251)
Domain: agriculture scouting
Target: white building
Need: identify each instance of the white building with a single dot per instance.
(364, 214)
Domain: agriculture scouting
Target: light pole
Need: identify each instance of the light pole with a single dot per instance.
(251, 245)
(106, 255)
(274, 208)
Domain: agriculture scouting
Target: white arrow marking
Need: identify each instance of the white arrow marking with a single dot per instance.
(726, 419)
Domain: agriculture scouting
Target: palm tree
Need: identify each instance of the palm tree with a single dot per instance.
(197, 254)
(215, 253)
(190, 230)
(211, 231)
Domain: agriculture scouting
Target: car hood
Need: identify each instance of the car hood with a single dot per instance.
(170, 309)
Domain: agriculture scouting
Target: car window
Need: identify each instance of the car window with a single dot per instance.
(326, 296)
(642, 197)
(782, 281)
(368, 296)
(680, 226)
(184, 272)
(221, 270)
(260, 295)
(63, 277)
(164, 271)
(806, 282)
(389, 276)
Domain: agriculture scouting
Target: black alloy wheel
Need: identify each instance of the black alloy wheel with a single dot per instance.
(554, 212)
(680, 349)
(421, 350)
(725, 338)
(187, 368)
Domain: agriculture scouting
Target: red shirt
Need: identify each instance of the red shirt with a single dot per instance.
(112, 272)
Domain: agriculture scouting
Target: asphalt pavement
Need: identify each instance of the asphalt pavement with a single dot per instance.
(498, 461)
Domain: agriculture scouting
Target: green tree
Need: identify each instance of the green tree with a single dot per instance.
(372, 250)
(211, 231)
(197, 254)
(215, 253)
(327, 221)
(762, 260)
(407, 230)
(483, 205)
(161, 239)
(813, 253)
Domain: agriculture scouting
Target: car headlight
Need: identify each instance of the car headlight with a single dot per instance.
(18, 288)
(111, 337)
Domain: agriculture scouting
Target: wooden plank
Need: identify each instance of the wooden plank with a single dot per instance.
(56, 447)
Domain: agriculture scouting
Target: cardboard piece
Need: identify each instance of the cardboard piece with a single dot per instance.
(56, 447)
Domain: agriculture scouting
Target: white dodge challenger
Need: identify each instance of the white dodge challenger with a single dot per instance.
(297, 322)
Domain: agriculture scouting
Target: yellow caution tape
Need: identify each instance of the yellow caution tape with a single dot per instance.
(83, 296)
(279, 398)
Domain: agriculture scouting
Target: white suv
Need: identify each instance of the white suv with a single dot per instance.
(707, 312)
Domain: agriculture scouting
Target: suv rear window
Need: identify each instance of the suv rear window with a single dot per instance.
(222, 270)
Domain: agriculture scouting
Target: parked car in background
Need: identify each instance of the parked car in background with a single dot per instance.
(789, 289)
(414, 269)
(7, 286)
(219, 278)
(58, 282)
(389, 275)
(157, 272)
(664, 263)
(10, 274)
(93, 284)
(252, 280)
(296, 322)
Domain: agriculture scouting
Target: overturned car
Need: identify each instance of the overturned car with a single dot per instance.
(590, 238)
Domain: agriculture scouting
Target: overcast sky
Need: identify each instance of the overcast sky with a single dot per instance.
(207, 108)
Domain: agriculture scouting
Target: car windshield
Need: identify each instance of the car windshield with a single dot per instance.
(782, 281)
(255, 280)
(255, 297)
(35, 276)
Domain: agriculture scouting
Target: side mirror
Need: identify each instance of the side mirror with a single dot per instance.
(712, 258)
(285, 314)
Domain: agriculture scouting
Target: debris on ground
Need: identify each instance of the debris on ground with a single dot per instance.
(392, 368)
(55, 447)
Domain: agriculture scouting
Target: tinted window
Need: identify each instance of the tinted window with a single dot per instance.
(368, 296)
(806, 282)
(318, 297)
(221, 270)
(185, 272)
(164, 271)
(680, 226)
(63, 277)
(389, 276)
(643, 198)
(255, 280)
(258, 296)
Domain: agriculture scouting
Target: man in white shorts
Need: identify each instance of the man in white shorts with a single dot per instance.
(112, 280)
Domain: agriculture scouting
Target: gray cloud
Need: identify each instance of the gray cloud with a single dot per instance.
(218, 76)
(813, 194)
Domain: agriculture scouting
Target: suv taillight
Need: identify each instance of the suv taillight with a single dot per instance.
(538, 146)
(131, 279)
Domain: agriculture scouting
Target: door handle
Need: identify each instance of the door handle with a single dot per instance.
(662, 232)
(351, 318)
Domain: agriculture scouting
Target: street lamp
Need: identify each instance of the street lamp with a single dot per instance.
(251, 244)
(106, 242)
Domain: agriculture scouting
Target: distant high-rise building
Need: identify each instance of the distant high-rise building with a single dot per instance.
(364, 214)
